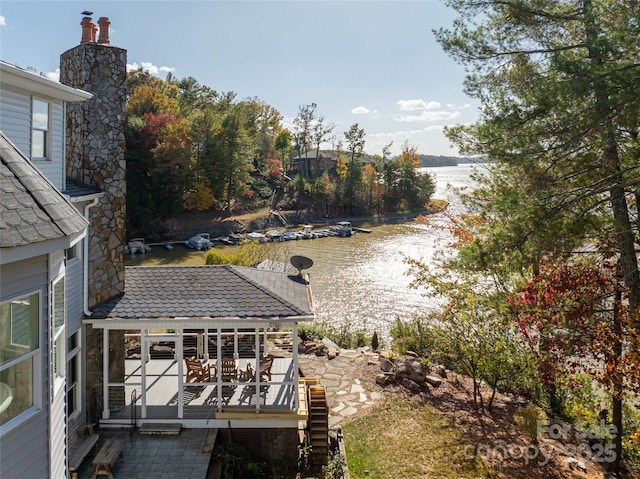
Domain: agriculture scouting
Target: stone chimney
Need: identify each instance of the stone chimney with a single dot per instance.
(95, 156)
(95, 149)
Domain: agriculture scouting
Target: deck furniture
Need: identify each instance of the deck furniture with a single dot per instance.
(249, 374)
(109, 453)
(196, 371)
(228, 370)
(266, 362)
(81, 440)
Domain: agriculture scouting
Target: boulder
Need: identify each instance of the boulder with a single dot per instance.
(412, 386)
(413, 354)
(433, 381)
(384, 379)
(333, 349)
(385, 364)
(411, 368)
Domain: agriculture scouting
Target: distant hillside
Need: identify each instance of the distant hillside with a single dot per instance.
(433, 160)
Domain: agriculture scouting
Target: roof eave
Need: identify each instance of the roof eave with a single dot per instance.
(26, 80)
(190, 323)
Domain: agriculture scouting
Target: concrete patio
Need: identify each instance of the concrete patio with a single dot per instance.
(157, 456)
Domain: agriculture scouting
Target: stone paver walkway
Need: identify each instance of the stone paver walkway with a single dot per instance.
(340, 377)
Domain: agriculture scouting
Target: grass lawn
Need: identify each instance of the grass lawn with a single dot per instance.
(401, 439)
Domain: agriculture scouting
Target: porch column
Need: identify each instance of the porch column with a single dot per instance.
(296, 378)
(180, 354)
(105, 373)
(235, 344)
(143, 371)
(257, 378)
(218, 368)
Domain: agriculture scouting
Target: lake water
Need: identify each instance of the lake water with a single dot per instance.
(361, 280)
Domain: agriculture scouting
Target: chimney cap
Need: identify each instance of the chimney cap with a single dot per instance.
(86, 13)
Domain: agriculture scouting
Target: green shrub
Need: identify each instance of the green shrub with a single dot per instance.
(412, 335)
(375, 342)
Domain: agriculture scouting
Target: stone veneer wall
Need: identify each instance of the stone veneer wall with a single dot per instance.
(95, 156)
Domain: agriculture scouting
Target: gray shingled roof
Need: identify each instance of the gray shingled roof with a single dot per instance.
(207, 292)
(31, 208)
(76, 190)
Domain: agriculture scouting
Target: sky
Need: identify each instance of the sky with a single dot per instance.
(375, 63)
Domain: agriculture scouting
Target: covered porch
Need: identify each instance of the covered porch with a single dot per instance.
(212, 346)
(260, 377)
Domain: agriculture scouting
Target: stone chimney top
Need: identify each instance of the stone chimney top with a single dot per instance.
(104, 23)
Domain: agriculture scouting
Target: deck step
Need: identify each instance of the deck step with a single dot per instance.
(168, 429)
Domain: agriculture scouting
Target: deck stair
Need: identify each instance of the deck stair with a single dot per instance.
(169, 429)
(318, 424)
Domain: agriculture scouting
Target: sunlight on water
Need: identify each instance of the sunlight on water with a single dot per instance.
(362, 280)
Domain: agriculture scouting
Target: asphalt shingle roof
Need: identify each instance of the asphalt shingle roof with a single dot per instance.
(218, 291)
(31, 208)
(75, 189)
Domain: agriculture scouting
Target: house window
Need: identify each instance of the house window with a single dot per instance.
(74, 391)
(72, 252)
(40, 129)
(58, 331)
(19, 351)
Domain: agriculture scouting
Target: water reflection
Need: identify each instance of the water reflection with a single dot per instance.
(362, 280)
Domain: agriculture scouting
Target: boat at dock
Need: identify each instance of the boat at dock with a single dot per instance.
(342, 228)
(137, 246)
(200, 242)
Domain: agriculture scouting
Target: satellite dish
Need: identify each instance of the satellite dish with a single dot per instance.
(301, 262)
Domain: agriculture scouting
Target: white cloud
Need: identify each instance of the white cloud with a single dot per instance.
(418, 104)
(55, 76)
(150, 67)
(453, 106)
(428, 116)
(360, 110)
(3, 21)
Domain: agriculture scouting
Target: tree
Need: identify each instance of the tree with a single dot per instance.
(354, 138)
(282, 144)
(303, 133)
(559, 82)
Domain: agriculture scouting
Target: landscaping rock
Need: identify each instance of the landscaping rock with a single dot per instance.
(384, 379)
(440, 371)
(412, 386)
(433, 381)
(385, 364)
(411, 368)
(333, 350)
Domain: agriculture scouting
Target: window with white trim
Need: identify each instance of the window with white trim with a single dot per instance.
(19, 354)
(74, 391)
(40, 121)
(58, 356)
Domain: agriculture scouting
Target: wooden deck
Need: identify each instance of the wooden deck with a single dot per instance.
(201, 401)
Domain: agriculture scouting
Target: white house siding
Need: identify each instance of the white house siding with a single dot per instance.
(15, 118)
(15, 122)
(24, 450)
(58, 436)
